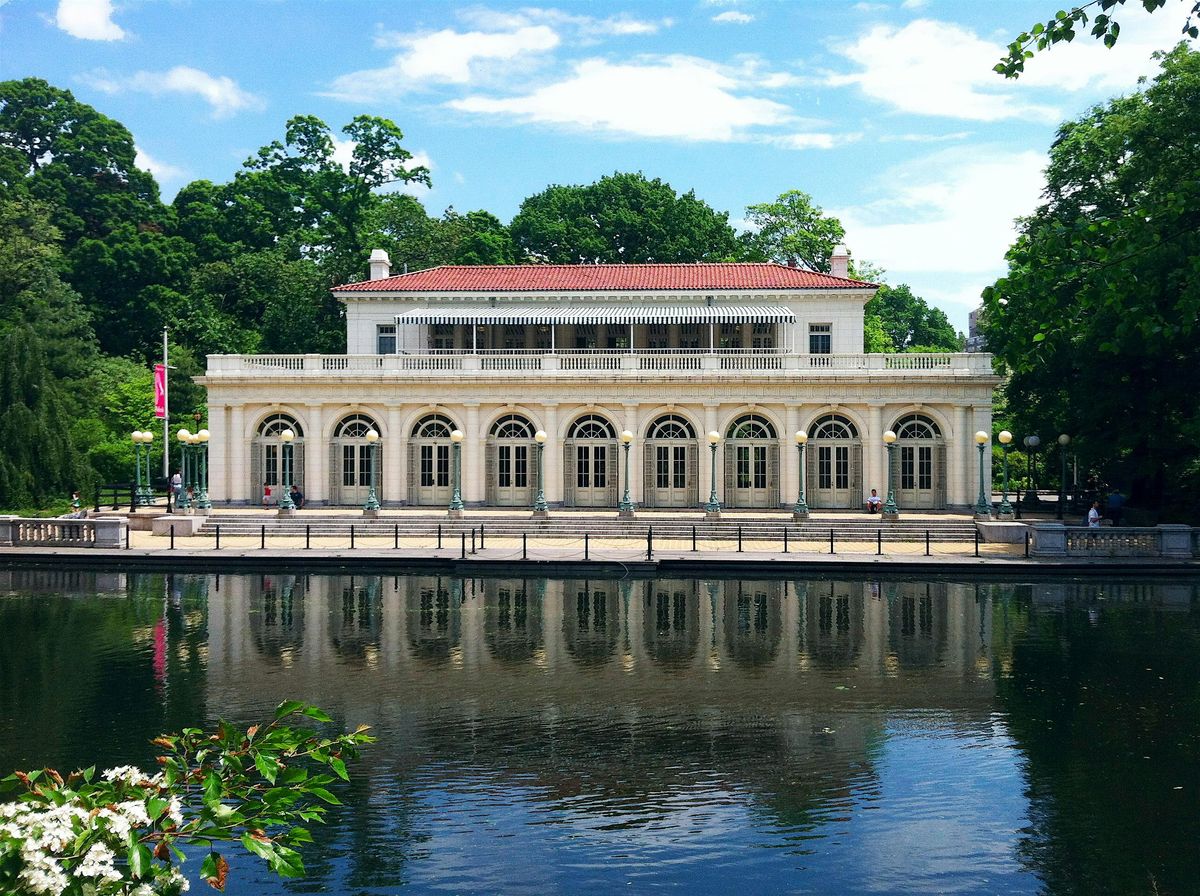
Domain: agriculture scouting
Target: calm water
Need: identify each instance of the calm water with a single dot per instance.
(571, 736)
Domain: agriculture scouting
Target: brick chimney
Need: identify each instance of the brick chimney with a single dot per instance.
(839, 262)
(381, 265)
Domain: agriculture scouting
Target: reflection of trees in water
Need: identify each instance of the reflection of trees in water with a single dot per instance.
(671, 622)
(917, 619)
(513, 619)
(833, 622)
(277, 615)
(434, 617)
(753, 623)
(1103, 699)
(356, 616)
(591, 620)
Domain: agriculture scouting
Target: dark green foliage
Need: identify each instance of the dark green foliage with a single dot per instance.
(622, 218)
(1097, 319)
(792, 229)
(37, 459)
(910, 324)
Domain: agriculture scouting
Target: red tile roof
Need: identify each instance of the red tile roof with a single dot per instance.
(604, 278)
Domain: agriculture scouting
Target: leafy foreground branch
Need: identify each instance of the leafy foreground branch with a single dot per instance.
(122, 831)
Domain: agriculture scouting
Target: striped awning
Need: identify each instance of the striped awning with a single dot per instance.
(603, 314)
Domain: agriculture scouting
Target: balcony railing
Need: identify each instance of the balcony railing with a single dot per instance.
(601, 361)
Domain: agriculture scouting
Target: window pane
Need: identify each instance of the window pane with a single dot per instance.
(760, 467)
(272, 470)
(680, 470)
(521, 471)
(581, 467)
(662, 468)
(842, 471)
(907, 473)
(504, 462)
(742, 455)
(426, 466)
(386, 338)
(443, 465)
(925, 467)
(600, 472)
(364, 465)
(824, 468)
(347, 465)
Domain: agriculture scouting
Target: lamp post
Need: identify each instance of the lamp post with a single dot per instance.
(1006, 511)
(139, 490)
(1031, 447)
(983, 507)
(539, 505)
(285, 505)
(626, 507)
(182, 502)
(800, 511)
(713, 507)
(202, 501)
(147, 438)
(1063, 441)
(890, 510)
(371, 508)
(456, 504)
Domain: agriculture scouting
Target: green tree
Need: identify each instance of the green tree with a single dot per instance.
(1096, 321)
(909, 322)
(38, 461)
(621, 218)
(1062, 28)
(792, 229)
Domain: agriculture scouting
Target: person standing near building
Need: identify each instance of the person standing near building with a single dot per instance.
(1094, 516)
(177, 485)
(1116, 501)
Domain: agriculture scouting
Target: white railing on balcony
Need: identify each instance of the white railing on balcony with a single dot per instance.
(666, 361)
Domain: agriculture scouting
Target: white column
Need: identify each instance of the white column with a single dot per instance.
(553, 487)
(395, 481)
(473, 448)
(234, 475)
(982, 416)
(874, 453)
(316, 457)
(789, 458)
(635, 455)
(218, 452)
(958, 455)
(706, 455)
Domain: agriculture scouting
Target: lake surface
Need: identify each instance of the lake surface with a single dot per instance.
(573, 736)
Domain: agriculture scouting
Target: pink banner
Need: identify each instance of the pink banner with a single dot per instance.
(160, 391)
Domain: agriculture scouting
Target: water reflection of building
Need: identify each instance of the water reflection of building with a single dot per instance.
(739, 638)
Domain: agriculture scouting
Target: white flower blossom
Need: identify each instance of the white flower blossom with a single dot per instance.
(98, 863)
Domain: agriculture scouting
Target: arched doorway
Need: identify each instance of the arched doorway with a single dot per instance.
(590, 463)
(510, 445)
(834, 464)
(919, 475)
(350, 461)
(429, 472)
(671, 469)
(751, 463)
(267, 458)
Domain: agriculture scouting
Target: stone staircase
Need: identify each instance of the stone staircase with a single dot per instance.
(576, 525)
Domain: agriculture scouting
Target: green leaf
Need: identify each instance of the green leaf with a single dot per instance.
(322, 794)
(263, 848)
(287, 707)
(268, 766)
(155, 807)
(314, 712)
(139, 860)
(339, 768)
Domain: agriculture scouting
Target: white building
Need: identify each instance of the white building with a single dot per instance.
(667, 352)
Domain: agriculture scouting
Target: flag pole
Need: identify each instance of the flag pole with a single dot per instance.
(166, 413)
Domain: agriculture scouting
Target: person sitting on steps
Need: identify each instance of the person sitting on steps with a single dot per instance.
(874, 502)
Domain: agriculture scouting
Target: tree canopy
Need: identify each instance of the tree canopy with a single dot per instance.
(1097, 318)
(792, 229)
(1061, 28)
(621, 218)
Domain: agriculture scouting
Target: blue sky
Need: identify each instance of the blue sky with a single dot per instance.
(888, 113)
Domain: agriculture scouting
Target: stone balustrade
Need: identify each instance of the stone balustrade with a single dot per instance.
(1170, 542)
(95, 532)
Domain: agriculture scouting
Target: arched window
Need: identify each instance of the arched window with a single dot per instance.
(833, 426)
(592, 426)
(356, 426)
(751, 426)
(512, 426)
(272, 426)
(435, 426)
(671, 426)
(916, 426)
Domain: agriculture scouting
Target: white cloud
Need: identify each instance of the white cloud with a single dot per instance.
(220, 92)
(948, 217)
(162, 171)
(935, 68)
(924, 138)
(442, 57)
(816, 140)
(733, 17)
(587, 27)
(674, 97)
(343, 154)
(914, 4)
(88, 19)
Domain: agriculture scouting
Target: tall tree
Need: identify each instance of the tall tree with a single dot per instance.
(621, 218)
(1097, 319)
(910, 323)
(793, 228)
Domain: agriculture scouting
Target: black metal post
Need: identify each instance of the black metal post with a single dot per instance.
(785, 544)
(172, 536)
(926, 542)
(586, 555)
(218, 538)
(524, 545)
(649, 542)
(472, 539)
(439, 536)
(395, 536)
(693, 539)
(831, 541)
(307, 536)
(879, 542)
(1027, 544)
(127, 538)
(739, 539)
(352, 536)
(976, 542)
(464, 545)
(262, 535)
(481, 536)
